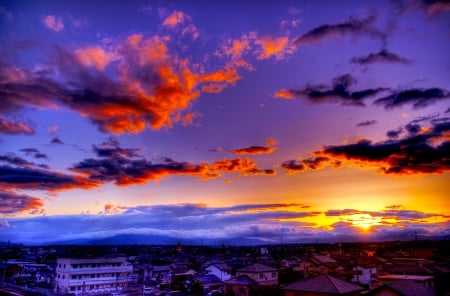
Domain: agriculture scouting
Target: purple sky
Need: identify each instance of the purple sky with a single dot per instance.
(221, 120)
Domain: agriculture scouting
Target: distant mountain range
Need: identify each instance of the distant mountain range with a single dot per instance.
(139, 239)
(134, 239)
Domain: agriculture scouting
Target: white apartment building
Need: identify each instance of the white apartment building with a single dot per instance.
(92, 276)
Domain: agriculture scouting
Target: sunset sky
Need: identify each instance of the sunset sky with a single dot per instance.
(224, 121)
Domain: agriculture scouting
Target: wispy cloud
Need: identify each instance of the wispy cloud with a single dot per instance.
(417, 97)
(34, 152)
(255, 150)
(382, 56)
(278, 47)
(11, 158)
(366, 123)
(364, 27)
(15, 127)
(54, 23)
(13, 203)
(39, 179)
(341, 92)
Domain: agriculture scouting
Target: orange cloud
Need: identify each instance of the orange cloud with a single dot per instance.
(175, 18)
(12, 202)
(93, 56)
(277, 47)
(152, 85)
(235, 49)
(284, 93)
(254, 150)
(218, 76)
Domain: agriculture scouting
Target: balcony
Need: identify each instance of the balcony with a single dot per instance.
(90, 270)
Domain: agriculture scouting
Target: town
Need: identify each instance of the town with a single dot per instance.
(381, 268)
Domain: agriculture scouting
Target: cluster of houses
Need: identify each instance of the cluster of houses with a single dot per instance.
(276, 270)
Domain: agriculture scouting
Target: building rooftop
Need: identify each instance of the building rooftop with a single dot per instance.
(405, 287)
(396, 277)
(323, 283)
(323, 259)
(243, 280)
(256, 268)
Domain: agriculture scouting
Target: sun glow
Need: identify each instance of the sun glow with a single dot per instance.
(365, 222)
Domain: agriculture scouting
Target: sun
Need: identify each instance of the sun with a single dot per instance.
(364, 222)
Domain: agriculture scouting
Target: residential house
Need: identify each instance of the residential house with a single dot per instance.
(364, 274)
(209, 282)
(291, 262)
(241, 285)
(263, 274)
(219, 269)
(321, 285)
(161, 273)
(317, 264)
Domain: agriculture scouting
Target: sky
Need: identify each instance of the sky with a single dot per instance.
(224, 121)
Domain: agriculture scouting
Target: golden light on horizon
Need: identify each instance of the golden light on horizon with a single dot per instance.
(365, 222)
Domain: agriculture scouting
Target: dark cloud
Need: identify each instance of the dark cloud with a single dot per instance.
(339, 92)
(34, 152)
(13, 203)
(426, 152)
(434, 7)
(390, 213)
(57, 141)
(357, 27)
(382, 56)
(38, 179)
(366, 123)
(124, 171)
(417, 97)
(254, 150)
(423, 150)
(13, 159)
(293, 166)
(111, 149)
(126, 167)
(394, 133)
(15, 127)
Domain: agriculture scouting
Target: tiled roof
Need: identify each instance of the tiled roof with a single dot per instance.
(324, 259)
(255, 268)
(323, 283)
(207, 279)
(244, 280)
(405, 288)
(221, 266)
(410, 288)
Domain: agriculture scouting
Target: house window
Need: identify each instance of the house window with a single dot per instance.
(72, 288)
(261, 276)
(274, 274)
